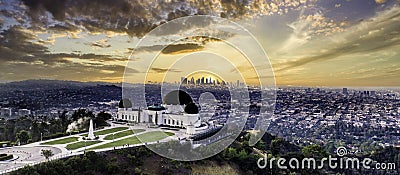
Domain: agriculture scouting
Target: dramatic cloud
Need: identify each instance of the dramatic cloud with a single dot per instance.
(138, 17)
(163, 70)
(375, 34)
(307, 27)
(182, 48)
(17, 46)
(187, 45)
(101, 44)
(169, 49)
(91, 40)
(21, 49)
(20, 56)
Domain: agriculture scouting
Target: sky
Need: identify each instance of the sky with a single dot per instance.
(308, 42)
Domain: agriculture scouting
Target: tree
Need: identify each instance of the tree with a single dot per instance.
(23, 136)
(28, 170)
(314, 151)
(64, 120)
(242, 155)
(47, 153)
(101, 119)
(260, 145)
(275, 146)
(229, 153)
(81, 113)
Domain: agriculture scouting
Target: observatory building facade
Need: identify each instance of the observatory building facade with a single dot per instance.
(177, 110)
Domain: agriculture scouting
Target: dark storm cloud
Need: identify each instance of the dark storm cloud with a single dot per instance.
(133, 17)
(152, 48)
(136, 18)
(170, 49)
(56, 8)
(182, 48)
(18, 47)
(187, 45)
(71, 71)
(65, 27)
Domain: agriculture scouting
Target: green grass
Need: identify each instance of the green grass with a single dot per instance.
(61, 141)
(146, 137)
(169, 133)
(81, 144)
(123, 134)
(130, 140)
(107, 131)
(154, 136)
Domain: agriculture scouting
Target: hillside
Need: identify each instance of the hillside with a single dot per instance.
(239, 158)
(44, 84)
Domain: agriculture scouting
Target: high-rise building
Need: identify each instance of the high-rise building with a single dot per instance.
(192, 80)
(202, 80)
(183, 80)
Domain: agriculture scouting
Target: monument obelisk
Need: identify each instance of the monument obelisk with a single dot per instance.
(91, 134)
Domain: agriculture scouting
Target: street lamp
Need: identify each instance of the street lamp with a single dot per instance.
(85, 147)
(41, 136)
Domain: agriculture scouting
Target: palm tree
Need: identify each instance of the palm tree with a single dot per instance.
(47, 153)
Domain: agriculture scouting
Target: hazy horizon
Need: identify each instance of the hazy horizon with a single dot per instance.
(277, 86)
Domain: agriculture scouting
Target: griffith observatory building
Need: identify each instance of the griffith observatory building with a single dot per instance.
(177, 110)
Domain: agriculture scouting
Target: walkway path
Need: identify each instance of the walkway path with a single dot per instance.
(30, 154)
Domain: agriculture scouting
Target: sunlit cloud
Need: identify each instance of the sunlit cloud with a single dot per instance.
(380, 1)
(103, 43)
(367, 36)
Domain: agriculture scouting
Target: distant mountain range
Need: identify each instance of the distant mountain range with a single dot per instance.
(44, 84)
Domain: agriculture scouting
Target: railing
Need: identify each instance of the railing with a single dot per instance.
(212, 140)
